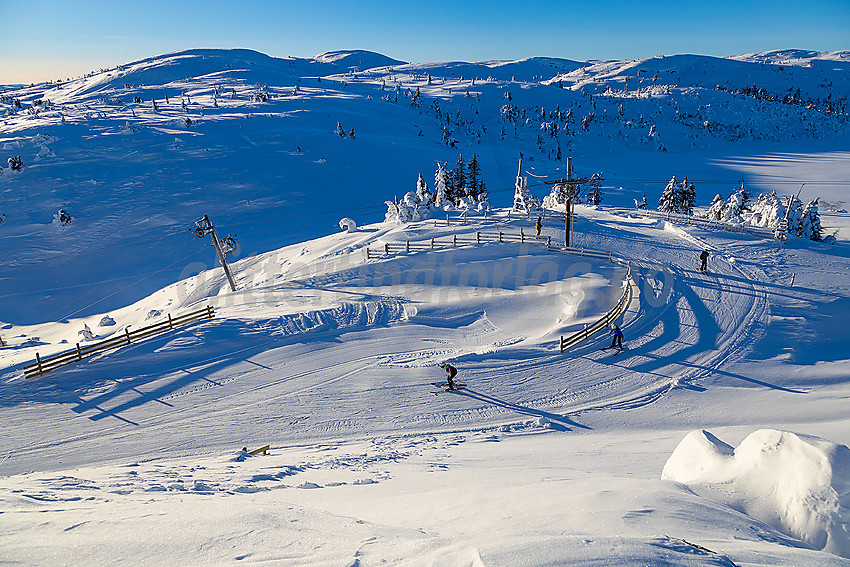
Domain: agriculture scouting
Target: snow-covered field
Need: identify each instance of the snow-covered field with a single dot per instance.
(718, 437)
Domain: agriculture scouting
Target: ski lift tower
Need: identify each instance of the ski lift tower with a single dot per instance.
(223, 247)
(571, 190)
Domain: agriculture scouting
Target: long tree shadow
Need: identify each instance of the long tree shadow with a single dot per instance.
(559, 422)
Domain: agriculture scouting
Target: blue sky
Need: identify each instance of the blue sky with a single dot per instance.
(54, 39)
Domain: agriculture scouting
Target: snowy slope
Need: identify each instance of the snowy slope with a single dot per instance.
(329, 356)
(260, 145)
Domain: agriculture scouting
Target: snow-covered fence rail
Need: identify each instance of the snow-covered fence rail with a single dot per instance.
(606, 319)
(709, 224)
(511, 215)
(406, 247)
(43, 365)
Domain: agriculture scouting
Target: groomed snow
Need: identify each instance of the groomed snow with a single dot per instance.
(328, 355)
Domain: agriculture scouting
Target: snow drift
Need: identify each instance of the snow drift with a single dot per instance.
(796, 483)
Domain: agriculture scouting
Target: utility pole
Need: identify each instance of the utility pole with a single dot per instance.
(204, 227)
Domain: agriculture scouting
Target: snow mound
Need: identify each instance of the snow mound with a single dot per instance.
(799, 484)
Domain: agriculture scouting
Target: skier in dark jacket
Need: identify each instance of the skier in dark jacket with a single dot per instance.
(452, 373)
(618, 336)
(539, 225)
(703, 258)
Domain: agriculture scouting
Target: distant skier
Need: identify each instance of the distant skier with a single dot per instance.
(539, 225)
(452, 373)
(618, 336)
(703, 258)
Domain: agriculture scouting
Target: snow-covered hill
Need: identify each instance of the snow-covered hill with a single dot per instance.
(137, 153)
(328, 352)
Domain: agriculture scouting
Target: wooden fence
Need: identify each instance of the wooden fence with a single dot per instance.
(454, 240)
(511, 215)
(605, 321)
(43, 365)
(406, 247)
(709, 224)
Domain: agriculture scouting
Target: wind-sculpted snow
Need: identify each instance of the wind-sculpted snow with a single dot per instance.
(799, 484)
(333, 355)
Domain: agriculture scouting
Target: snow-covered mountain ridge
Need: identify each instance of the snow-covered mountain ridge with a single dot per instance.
(137, 153)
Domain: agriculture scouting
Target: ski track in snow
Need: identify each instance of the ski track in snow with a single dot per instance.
(285, 386)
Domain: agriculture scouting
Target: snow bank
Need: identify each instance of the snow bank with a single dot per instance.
(797, 483)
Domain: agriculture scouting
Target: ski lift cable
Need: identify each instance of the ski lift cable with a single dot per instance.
(129, 286)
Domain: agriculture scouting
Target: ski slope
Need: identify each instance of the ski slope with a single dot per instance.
(329, 357)
(545, 458)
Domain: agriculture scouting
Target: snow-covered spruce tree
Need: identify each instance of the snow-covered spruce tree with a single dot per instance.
(62, 218)
(423, 191)
(642, 204)
(794, 213)
(476, 191)
(473, 177)
(523, 199)
(340, 131)
(715, 210)
(810, 226)
(458, 177)
(594, 189)
(441, 199)
(768, 211)
(685, 198)
(15, 163)
(668, 201)
(735, 206)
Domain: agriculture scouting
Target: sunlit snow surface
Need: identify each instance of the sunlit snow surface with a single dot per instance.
(545, 458)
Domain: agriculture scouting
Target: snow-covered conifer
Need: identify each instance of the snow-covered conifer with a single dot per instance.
(458, 175)
(715, 210)
(62, 218)
(810, 226)
(441, 200)
(473, 179)
(668, 200)
(594, 189)
(423, 191)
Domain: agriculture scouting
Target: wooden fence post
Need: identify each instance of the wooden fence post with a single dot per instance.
(170, 322)
(478, 237)
(500, 236)
(549, 242)
(521, 235)
(127, 332)
(79, 352)
(367, 253)
(408, 246)
(454, 241)
(387, 248)
(210, 311)
(432, 244)
(38, 362)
